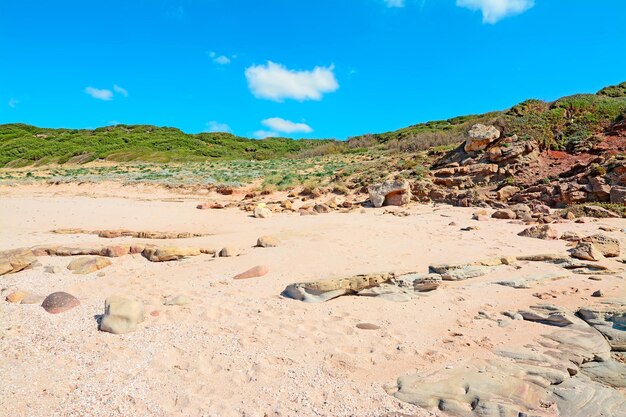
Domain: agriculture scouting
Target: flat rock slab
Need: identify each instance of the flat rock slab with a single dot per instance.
(15, 260)
(88, 265)
(59, 302)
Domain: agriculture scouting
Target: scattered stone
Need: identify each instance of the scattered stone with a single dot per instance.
(321, 208)
(52, 269)
(16, 296)
(262, 212)
(571, 236)
(15, 260)
(395, 193)
(206, 206)
(179, 300)
(367, 326)
(87, 265)
(121, 315)
(504, 214)
(593, 278)
(545, 232)
(267, 242)
(59, 302)
(254, 272)
(507, 192)
(597, 293)
(229, 251)
(570, 216)
(586, 251)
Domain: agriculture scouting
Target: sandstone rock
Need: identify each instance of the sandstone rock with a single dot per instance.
(522, 212)
(321, 208)
(397, 192)
(262, 212)
(255, 272)
(418, 282)
(267, 241)
(586, 251)
(504, 214)
(600, 212)
(571, 236)
(87, 265)
(59, 302)
(121, 315)
(570, 216)
(480, 136)
(618, 195)
(114, 251)
(609, 318)
(15, 260)
(608, 246)
(324, 290)
(545, 232)
(458, 272)
(507, 192)
(179, 300)
(287, 205)
(16, 296)
(173, 253)
(229, 251)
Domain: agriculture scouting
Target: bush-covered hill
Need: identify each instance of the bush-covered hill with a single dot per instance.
(564, 124)
(22, 144)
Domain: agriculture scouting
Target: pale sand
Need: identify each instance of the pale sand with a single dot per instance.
(239, 348)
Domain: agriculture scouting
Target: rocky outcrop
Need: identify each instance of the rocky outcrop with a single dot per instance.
(15, 260)
(571, 367)
(607, 245)
(111, 234)
(396, 193)
(480, 136)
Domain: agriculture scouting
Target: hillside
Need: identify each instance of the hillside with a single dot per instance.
(568, 124)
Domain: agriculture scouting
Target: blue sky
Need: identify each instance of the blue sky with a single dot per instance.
(298, 68)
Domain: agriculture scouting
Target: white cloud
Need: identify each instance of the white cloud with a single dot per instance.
(262, 134)
(12, 103)
(100, 94)
(495, 10)
(276, 82)
(286, 126)
(120, 90)
(220, 59)
(394, 3)
(214, 126)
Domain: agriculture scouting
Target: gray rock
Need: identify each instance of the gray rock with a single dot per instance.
(121, 315)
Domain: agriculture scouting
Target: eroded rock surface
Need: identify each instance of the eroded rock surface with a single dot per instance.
(15, 260)
(396, 193)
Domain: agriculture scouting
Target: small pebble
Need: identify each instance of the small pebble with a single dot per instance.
(367, 326)
(598, 293)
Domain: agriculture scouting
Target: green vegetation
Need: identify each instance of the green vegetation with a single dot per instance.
(22, 145)
(570, 123)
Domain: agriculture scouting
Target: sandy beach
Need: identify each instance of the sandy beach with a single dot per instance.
(239, 347)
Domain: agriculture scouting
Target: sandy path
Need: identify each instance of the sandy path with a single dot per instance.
(239, 348)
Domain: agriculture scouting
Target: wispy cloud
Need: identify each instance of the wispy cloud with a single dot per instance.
(394, 3)
(214, 126)
(496, 10)
(13, 102)
(276, 82)
(100, 94)
(262, 134)
(220, 59)
(120, 90)
(278, 124)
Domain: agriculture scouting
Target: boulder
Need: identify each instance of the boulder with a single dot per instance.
(608, 246)
(545, 232)
(507, 192)
(322, 208)
(262, 212)
(618, 195)
(395, 193)
(586, 251)
(121, 315)
(254, 272)
(522, 212)
(504, 214)
(267, 241)
(480, 136)
(15, 260)
(59, 302)
(87, 265)
(229, 251)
